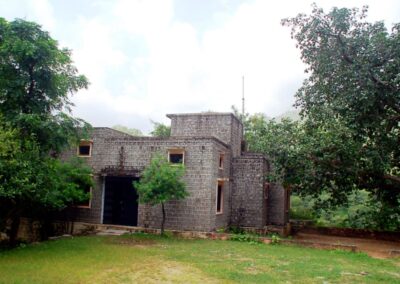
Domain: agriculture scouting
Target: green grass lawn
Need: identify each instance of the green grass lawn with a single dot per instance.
(152, 259)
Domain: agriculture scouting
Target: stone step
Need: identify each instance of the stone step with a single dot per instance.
(111, 232)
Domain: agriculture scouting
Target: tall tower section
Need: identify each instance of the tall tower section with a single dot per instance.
(224, 126)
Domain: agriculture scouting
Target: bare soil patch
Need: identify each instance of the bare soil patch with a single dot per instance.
(374, 248)
(138, 242)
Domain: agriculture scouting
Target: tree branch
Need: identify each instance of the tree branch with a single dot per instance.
(393, 178)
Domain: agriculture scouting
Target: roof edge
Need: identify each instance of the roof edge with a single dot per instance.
(172, 115)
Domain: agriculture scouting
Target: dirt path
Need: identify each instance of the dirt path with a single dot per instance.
(374, 248)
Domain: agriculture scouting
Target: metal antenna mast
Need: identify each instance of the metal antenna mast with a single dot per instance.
(243, 96)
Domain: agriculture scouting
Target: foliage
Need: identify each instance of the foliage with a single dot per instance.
(245, 238)
(31, 184)
(275, 239)
(322, 162)
(362, 211)
(235, 230)
(131, 131)
(161, 182)
(36, 77)
(348, 138)
(351, 100)
(302, 208)
(160, 130)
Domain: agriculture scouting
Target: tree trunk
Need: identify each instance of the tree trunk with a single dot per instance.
(163, 218)
(14, 230)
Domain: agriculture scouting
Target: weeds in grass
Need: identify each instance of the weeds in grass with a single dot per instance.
(275, 239)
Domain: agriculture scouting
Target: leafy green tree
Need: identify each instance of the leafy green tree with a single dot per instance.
(319, 161)
(127, 130)
(354, 77)
(33, 185)
(352, 105)
(36, 77)
(161, 182)
(160, 130)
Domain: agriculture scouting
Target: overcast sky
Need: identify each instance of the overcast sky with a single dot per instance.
(148, 58)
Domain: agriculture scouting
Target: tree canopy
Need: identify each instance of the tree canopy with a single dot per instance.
(161, 182)
(354, 77)
(127, 130)
(36, 79)
(160, 130)
(349, 136)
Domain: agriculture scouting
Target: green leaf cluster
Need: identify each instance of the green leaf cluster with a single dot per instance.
(161, 182)
(352, 97)
(160, 130)
(127, 130)
(36, 79)
(349, 136)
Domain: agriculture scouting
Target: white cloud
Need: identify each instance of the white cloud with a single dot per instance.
(187, 71)
(43, 13)
(148, 17)
(143, 62)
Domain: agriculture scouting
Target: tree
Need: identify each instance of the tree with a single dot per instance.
(351, 105)
(321, 161)
(36, 78)
(161, 182)
(127, 130)
(160, 130)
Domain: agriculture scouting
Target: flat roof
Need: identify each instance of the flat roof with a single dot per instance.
(205, 114)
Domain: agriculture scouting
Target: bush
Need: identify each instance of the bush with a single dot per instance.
(246, 238)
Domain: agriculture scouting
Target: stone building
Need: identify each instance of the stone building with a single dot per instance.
(226, 185)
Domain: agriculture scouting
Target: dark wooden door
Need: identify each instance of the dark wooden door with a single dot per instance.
(120, 201)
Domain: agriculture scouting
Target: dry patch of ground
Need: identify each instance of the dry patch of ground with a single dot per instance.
(155, 271)
(137, 242)
(374, 248)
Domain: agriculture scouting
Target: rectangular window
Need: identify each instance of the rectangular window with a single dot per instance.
(176, 156)
(221, 161)
(220, 197)
(86, 203)
(266, 189)
(85, 148)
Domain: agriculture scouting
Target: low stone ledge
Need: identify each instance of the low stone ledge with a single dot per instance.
(299, 227)
(65, 236)
(394, 253)
(220, 236)
(346, 247)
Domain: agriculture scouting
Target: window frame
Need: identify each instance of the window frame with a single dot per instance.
(176, 151)
(221, 161)
(85, 143)
(89, 205)
(220, 183)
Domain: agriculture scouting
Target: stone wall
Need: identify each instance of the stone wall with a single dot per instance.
(224, 126)
(248, 202)
(236, 136)
(278, 210)
(203, 137)
(111, 150)
(196, 212)
(221, 220)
